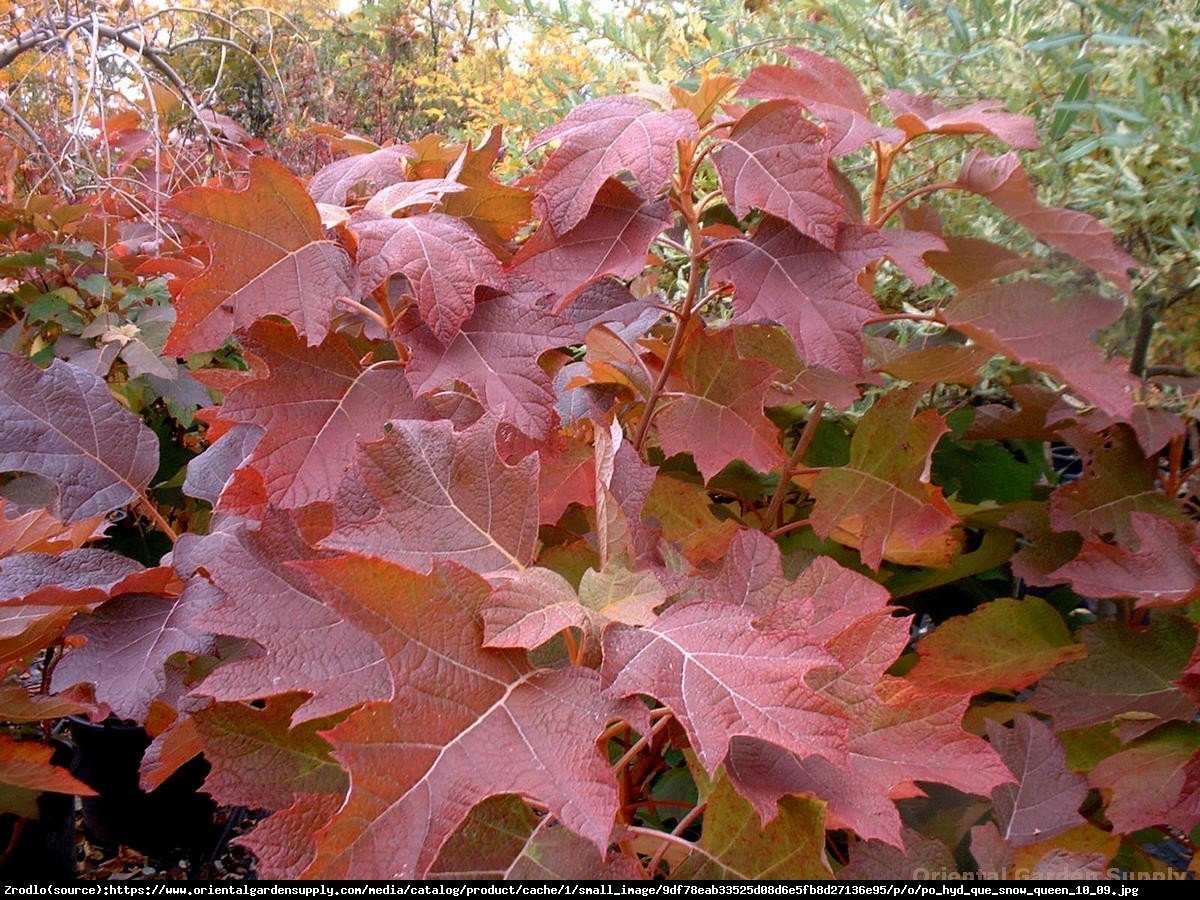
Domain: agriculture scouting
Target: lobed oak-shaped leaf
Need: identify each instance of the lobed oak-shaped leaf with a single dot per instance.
(813, 290)
(425, 492)
(923, 115)
(612, 239)
(61, 424)
(684, 512)
(1005, 644)
(442, 259)
(1046, 798)
(1163, 570)
(597, 140)
(830, 90)
(883, 497)
(496, 211)
(127, 642)
(722, 678)
(465, 724)
(1118, 480)
(283, 843)
(1003, 181)
(897, 737)
(1026, 323)
(496, 354)
(270, 256)
(718, 415)
(336, 182)
(306, 646)
(313, 405)
(736, 846)
(777, 160)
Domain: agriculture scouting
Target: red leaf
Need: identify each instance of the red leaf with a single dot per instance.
(425, 492)
(1163, 569)
(62, 425)
(442, 259)
(598, 139)
(269, 257)
(336, 182)
(922, 115)
(306, 646)
(127, 643)
(1045, 800)
(210, 472)
(612, 239)
(1149, 781)
(75, 578)
(722, 678)
(313, 405)
(718, 416)
(812, 290)
(1003, 181)
(882, 501)
(897, 737)
(39, 532)
(466, 724)
(875, 860)
(830, 90)
(777, 160)
(1026, 323)
(496, 353)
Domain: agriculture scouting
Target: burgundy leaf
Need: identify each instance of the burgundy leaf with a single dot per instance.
(306, 646)
(127, 642)
(61, 424)
(1045, 800)
(922, 115)
(1003, 181)
(722, 678)
(313, 405)
(425, 492)
(776, 160)
(596, 141)
(811, 290)
(466, 724)
(442, 259)
(378, 169)
(209, 472)
(718, 415)
(1026, 323)
(612, 239)
(496, 354)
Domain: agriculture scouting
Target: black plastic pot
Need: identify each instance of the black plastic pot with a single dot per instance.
(172, 819)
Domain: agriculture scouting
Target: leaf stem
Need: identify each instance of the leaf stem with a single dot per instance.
(641, 743)
(152, 513)
(879, 219)
(367, 312)
(774, 515)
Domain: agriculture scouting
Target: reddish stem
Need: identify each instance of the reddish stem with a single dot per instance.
(774, 514)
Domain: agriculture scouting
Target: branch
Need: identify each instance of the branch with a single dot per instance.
(38, 144)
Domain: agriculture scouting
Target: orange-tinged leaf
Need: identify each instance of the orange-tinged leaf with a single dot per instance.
(496, 211)
(884, 492)
(685, 514)
(37, 531)
(1005, 644)
(466, 724)
(270, 256)
(26, 764)
(703, 102)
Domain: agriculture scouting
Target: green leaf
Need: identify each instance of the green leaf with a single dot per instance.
(736, 847)
(1053, 42)
(1006, 644)
(1076, 91)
